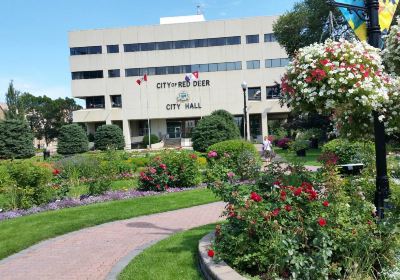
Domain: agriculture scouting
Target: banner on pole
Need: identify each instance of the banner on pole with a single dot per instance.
(387, 9)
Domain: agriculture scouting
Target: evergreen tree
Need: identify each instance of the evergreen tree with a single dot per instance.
(15, 109)
(16, 139)
(72, 139)
(109, 136)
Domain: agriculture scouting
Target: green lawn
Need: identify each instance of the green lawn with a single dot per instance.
(20, 233)
(311, 157)
(170, 259)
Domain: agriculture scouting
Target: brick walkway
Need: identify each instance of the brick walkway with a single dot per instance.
(91, 253)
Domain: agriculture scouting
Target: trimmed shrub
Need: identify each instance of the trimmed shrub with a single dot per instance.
(153, 139)
(213, 129)
(109, 136)
(351, 152)
(16, 139)
(238, 156)
(72, 140)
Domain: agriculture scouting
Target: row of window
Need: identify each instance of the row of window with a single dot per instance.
(269, 63)
(168, 45)
(181, 69)
(253, 94)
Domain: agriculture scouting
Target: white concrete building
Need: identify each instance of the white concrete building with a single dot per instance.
(106, 64)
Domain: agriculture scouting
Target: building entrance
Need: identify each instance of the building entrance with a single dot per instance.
(174, 129)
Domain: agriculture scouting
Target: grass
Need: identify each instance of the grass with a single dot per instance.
(20, 233)
(311, 157)
(170, 259)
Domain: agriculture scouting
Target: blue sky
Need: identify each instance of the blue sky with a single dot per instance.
(34, 50)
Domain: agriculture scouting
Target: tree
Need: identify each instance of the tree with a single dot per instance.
(213, 129)
(72, 139)
(308, 23)
(109, 136)
(47, 116)
(15, 110)
(16, 139)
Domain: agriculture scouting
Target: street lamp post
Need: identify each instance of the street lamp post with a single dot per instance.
(244, 87)
(371, 13)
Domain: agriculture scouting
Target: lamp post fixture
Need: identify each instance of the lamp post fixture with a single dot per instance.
(244, 87)
(371, 14)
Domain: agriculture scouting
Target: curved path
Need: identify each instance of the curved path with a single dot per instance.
(93, 252)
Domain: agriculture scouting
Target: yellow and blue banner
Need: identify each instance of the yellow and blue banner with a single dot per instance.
(387, 9)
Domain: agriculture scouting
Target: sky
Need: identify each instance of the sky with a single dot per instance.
(34, 48)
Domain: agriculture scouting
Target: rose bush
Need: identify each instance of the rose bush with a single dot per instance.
(345, 80)
(295, 225)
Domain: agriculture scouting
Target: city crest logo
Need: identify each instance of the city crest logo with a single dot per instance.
(183, 96)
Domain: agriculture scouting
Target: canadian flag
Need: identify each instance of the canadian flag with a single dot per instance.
(142, 79)
(192, 76)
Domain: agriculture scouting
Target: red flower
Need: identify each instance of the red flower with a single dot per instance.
(325, 203)
(276, 212)
(283, 195)
(56, 172)
(288, 208)
(211, 253)
(322, 222)
(324, 62)
(312, 195)
(193, 156)
(369, 222)
(255, 196)
(298, 191)
(163, 166)
(308, 80)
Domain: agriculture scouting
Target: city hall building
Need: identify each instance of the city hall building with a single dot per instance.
(108, 68)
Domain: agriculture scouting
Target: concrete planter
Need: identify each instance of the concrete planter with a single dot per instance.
(212, 270)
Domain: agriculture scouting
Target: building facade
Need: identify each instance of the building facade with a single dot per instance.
(106, 64)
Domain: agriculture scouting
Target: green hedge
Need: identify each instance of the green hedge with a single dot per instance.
(109, 136)
(351, 152)
(72, 140)
(16, 139)
(153, 139)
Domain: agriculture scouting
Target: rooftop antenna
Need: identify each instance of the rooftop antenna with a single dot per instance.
(199, 11)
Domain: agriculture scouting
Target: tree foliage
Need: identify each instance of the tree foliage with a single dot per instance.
(72, 139)
(46, 116)
(16, 139)
(15, 109)
(213, 129)
(109, 136)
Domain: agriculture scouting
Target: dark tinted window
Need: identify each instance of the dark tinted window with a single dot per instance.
(253, 64)
(113, 49)
(269, 37)
(132, 72)
(212, 67)
(252, 39)
(238, 65)
(276, 62)
(131, 47)
(230, 66)
(85, 50)
(254, 93)
(222, 66)
(216, 42)
(273, 92)
(87, 75)
(203, 68)
(94, 102)
(116, 101)
(113, 73)
(147, 46)
(164, 45)
(233, 40)
(161, 70)
(200, 43)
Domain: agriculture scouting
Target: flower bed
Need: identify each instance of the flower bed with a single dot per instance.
(74, 202)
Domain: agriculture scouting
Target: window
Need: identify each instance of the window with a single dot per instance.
(238, 65)
(85, 50)
(201, 43)
(276, 62)
(222, 66)
(212, 42)
(253, 64)
(116, 101)
(230, 66)
(112, 48)
(161, 70)
(269, 37)
(254, 93)
(252, 39)
(164, 45)
(113, 73)
(273, 92)
(203, 68)
(132, 72)
(213, 67)
(147, 46)
(82, 75)
(94, 102)
(233, 40)
(131, 47)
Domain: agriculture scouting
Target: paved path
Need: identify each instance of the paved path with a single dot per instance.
(93, 252)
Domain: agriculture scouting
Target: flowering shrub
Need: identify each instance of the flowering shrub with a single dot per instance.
(283, 228)
(391, 53)
(156, 177)
(351, 151)
(283, 143)
(346, 81)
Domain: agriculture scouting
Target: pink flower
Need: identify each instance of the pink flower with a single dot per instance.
(255, 196)
(193, 156)
(212, 154)
(231, 175)
(308, 80)
(298, 191)
(163, 166)
(152, 170)
(276, 212)
(288, 208)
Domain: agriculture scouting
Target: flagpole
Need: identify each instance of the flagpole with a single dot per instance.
(148, 116)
